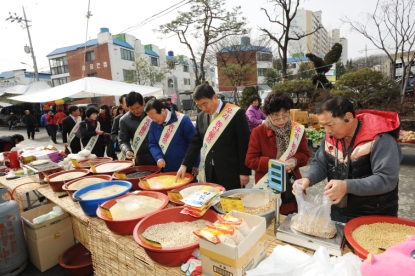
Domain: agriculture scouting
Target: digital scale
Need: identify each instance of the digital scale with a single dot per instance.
(334, 245)
(277, 176)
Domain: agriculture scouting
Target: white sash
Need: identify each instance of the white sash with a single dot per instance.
(213, 132)
(297, 132)
(72, 133)
(139, 137)
(93, 140)
(168, 133)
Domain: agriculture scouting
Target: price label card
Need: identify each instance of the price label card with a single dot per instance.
(106, 212)
(231, 203)
(75, 163)
(93, 168)
(149, 242)
(120, 175)
(176, 196)
(145, 183)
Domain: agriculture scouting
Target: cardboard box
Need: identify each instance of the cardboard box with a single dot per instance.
(314, 122)
(292, 113)
(300, 117)
(224, 259)
(47, 240)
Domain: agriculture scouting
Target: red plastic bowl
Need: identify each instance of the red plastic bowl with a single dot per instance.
(126, 226)
(66, 187)
(165, 190)
(77, 260)
(355, 223)
(201, 184)
(135, 181)
(171, 256)
(96, 161)
(110, 172)
(57, 185)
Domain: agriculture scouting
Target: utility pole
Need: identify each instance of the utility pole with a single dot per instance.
(18, 20)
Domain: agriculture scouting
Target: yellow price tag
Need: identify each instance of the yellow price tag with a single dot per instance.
(93, 168)
(106, 212)
(176, 196)
(231, 203)
(120, 175)
(149, 242)
(75, 163)
(145, 183)
(46, 177)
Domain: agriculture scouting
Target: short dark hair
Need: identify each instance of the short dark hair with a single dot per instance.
(277, 100)
(203, 91)
(134, 97)
(338, 106)
(120, 100)
(91, 110)
(168, 99)
(72, 108)
(253, 98)
(17, 137)
(154, 104)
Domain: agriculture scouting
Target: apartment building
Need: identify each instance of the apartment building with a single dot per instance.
(22, 77)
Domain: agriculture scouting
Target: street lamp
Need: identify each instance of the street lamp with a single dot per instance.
(25, 21)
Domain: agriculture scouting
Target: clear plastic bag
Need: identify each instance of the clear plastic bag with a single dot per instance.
(313, 216)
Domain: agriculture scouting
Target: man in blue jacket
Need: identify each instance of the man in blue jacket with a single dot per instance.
(169, 137)
(43, 122)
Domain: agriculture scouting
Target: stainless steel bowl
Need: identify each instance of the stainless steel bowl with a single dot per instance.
(267, 215)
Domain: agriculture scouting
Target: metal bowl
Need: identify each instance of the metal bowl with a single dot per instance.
(267, 215)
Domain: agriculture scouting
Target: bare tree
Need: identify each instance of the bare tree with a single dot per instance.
(394, 34)
(208, 22)
(289, 11)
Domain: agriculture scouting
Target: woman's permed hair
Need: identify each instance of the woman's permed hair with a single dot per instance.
(277, 100)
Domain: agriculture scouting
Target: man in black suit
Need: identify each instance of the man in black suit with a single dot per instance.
(67, 125)
(225, 160)
(116, 124)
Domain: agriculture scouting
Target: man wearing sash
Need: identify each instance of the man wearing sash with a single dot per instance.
(169, 137)
(116, 124)
(278, 138)
(222, 137)
(68, 130)
(133, 135)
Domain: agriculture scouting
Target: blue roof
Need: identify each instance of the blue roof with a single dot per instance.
(151, 53)
(89, 43)
(185, 62)
(41, 75)
(171, 58)
(245, 48)
(302, 58)
(7, 74)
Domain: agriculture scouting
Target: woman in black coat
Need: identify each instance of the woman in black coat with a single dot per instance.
(104, 119)
(88, 130)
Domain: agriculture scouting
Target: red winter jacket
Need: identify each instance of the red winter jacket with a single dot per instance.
(51, 119)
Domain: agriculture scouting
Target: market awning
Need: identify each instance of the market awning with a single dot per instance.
(18, 90)
(88, 88)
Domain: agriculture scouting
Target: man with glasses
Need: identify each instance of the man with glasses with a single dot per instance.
(360, 158)
(133, 134)
(222, 137)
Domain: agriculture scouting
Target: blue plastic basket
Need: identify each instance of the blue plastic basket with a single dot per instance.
(90, 206)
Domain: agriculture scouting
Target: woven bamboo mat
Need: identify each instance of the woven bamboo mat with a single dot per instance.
(20, 192)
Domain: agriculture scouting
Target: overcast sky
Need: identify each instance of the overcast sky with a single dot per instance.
(57, 23)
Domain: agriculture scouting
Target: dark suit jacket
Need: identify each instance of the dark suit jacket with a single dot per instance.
(88, 131)
(228, 153)
(67, 125)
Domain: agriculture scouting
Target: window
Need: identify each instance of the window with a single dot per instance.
(261, 71)
(129, 75)
(89, 56)
(58, 65)
(126, 55)
(154, 61)
(264, 56)
(60, 81)
(185, 68)
(93, 75)
(186, 81)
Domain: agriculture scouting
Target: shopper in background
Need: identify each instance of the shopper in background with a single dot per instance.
(172, 106)
(52, 125)
(82, 113)
(104, 118)
(254, 114)
(89, 130)
(11, 120)
(271, 140)
(9, 142)
(122, 109)
(60, 115)
(30, 121)
(44, 123)
(114, 113)
(67, 125)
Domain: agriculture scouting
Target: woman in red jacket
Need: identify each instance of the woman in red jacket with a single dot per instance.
(270, 141)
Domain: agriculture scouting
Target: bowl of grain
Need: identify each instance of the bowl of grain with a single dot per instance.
(171, 233)
(91, 196)
(127, 210)
(135, 173)
(189, 189)
(112, 166)
(56, 180)
(86, 164)
(371, 234)
(72, 186)
(264, 203)
(164, 182)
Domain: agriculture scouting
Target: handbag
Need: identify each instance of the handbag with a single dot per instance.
(288, 196)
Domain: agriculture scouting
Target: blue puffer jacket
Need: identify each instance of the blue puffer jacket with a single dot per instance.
(178, 146)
